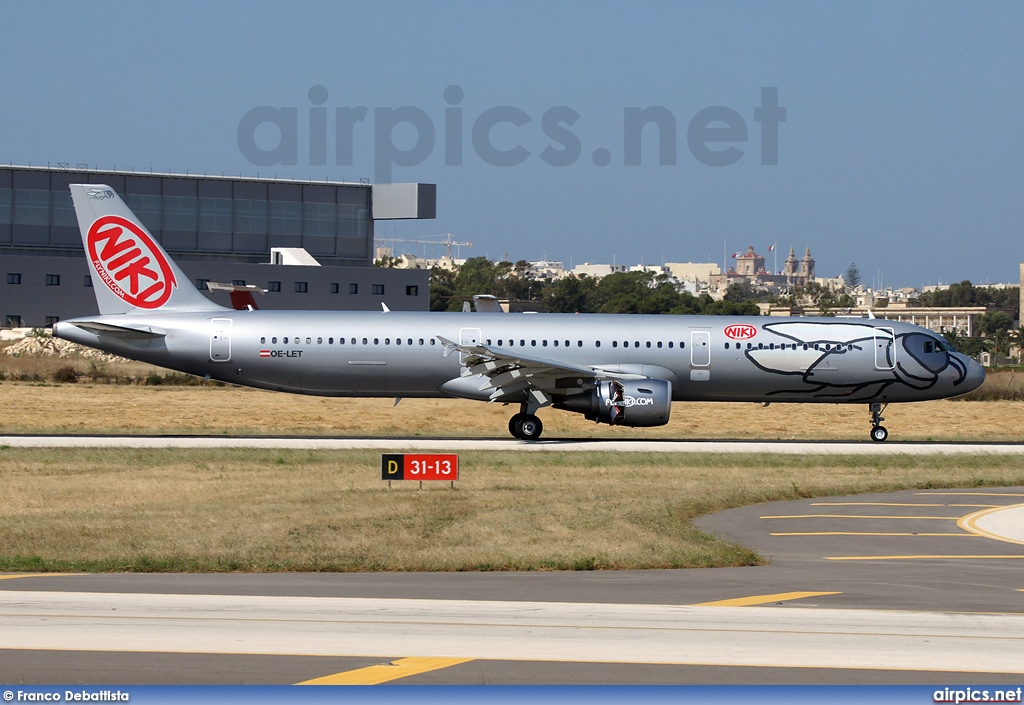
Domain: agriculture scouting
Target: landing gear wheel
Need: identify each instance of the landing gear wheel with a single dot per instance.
(529, 427)
(878, 433)
(513, 425)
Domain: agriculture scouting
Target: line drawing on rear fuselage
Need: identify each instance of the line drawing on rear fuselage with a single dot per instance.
(616, 369)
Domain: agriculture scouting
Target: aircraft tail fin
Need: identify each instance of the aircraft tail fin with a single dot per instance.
(131, 272)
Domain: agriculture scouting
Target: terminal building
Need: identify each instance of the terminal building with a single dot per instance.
(308, 245)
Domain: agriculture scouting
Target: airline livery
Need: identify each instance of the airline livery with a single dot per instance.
(615, 369)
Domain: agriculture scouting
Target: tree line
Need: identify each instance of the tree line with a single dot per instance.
(622, 292)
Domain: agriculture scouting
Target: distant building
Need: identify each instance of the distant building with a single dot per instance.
(750, 269)
(598, 270)
(217, 228)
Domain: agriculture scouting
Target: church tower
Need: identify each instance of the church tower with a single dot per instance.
(791, 267)
(807, 266)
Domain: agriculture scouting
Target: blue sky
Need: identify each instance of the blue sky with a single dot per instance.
(902, 147)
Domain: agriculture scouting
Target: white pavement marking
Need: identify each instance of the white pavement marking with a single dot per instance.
(1000, 523)
(533, 631)
(435, 444)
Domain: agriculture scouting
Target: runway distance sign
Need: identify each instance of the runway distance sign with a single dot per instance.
(419, 466)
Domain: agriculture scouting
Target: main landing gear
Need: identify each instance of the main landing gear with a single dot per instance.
(878, 432)
(526, 427)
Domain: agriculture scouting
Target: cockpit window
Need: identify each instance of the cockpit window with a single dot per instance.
(928, 346)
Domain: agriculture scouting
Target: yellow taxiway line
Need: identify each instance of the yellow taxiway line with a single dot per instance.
(911, 558)
(969, 494)
(895, 504)
(762, 599)
(382, 673)
(849, 516)
(970, 523)
(865, 533)
(35, 575)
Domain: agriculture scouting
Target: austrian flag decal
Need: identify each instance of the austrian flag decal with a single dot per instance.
(129, 262)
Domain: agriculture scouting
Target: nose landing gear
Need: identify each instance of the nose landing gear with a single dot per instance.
(878, 431)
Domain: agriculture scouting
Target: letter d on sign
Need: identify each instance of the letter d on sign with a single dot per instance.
(392, 466)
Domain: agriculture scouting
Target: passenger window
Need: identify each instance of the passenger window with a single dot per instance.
(285, 341)
(670, 343)
(522, 343)
(597, 343)
(330, 341)
(567, 343)
(387, 341)
(398, 341)
(263, 341)
(431, 341)
(319, 341)
(579, 343)
(421, 341)
(659, 343)
(533, 343)
(544, 343)
(615, 343)
(376, 341)
(274, 340)
(648, 343)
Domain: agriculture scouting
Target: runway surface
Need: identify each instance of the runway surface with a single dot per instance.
(457, 444)
(921, 586)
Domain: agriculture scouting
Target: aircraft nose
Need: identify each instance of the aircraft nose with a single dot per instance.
(975, 375)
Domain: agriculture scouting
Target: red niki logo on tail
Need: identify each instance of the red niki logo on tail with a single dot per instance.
(129, 262)
(740, 332)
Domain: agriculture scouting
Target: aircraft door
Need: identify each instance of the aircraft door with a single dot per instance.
(700, 348)
(220, 340)
(468, 336)
(885, 349)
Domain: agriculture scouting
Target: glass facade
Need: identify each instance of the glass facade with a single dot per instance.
(196, 217)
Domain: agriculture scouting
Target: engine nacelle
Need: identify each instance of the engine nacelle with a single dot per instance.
(645, 402)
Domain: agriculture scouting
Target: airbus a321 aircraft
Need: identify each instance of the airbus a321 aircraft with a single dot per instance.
(621, 370)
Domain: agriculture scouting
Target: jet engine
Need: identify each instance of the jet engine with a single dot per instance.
(645, 402)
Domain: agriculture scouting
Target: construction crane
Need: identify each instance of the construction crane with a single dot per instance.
(448, 242)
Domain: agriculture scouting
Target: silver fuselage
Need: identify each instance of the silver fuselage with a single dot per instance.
(399, 354)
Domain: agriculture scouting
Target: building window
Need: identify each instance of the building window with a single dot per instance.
(334, 288)
(88, 281)
(201, 284)
(14, 278)
(13, 321)
(50, 320)
(412, 290)
(353, 288)
(52, 280)
(237, 282)
(378, 289)
(301, 287)
(273, 286)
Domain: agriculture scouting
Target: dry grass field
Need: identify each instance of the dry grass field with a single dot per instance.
(251, 510)
(257, 510)
(108, 408)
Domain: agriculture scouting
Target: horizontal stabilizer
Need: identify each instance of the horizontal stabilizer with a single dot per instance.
(119, 331)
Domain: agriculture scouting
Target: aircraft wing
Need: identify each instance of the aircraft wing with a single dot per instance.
(495, 373)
